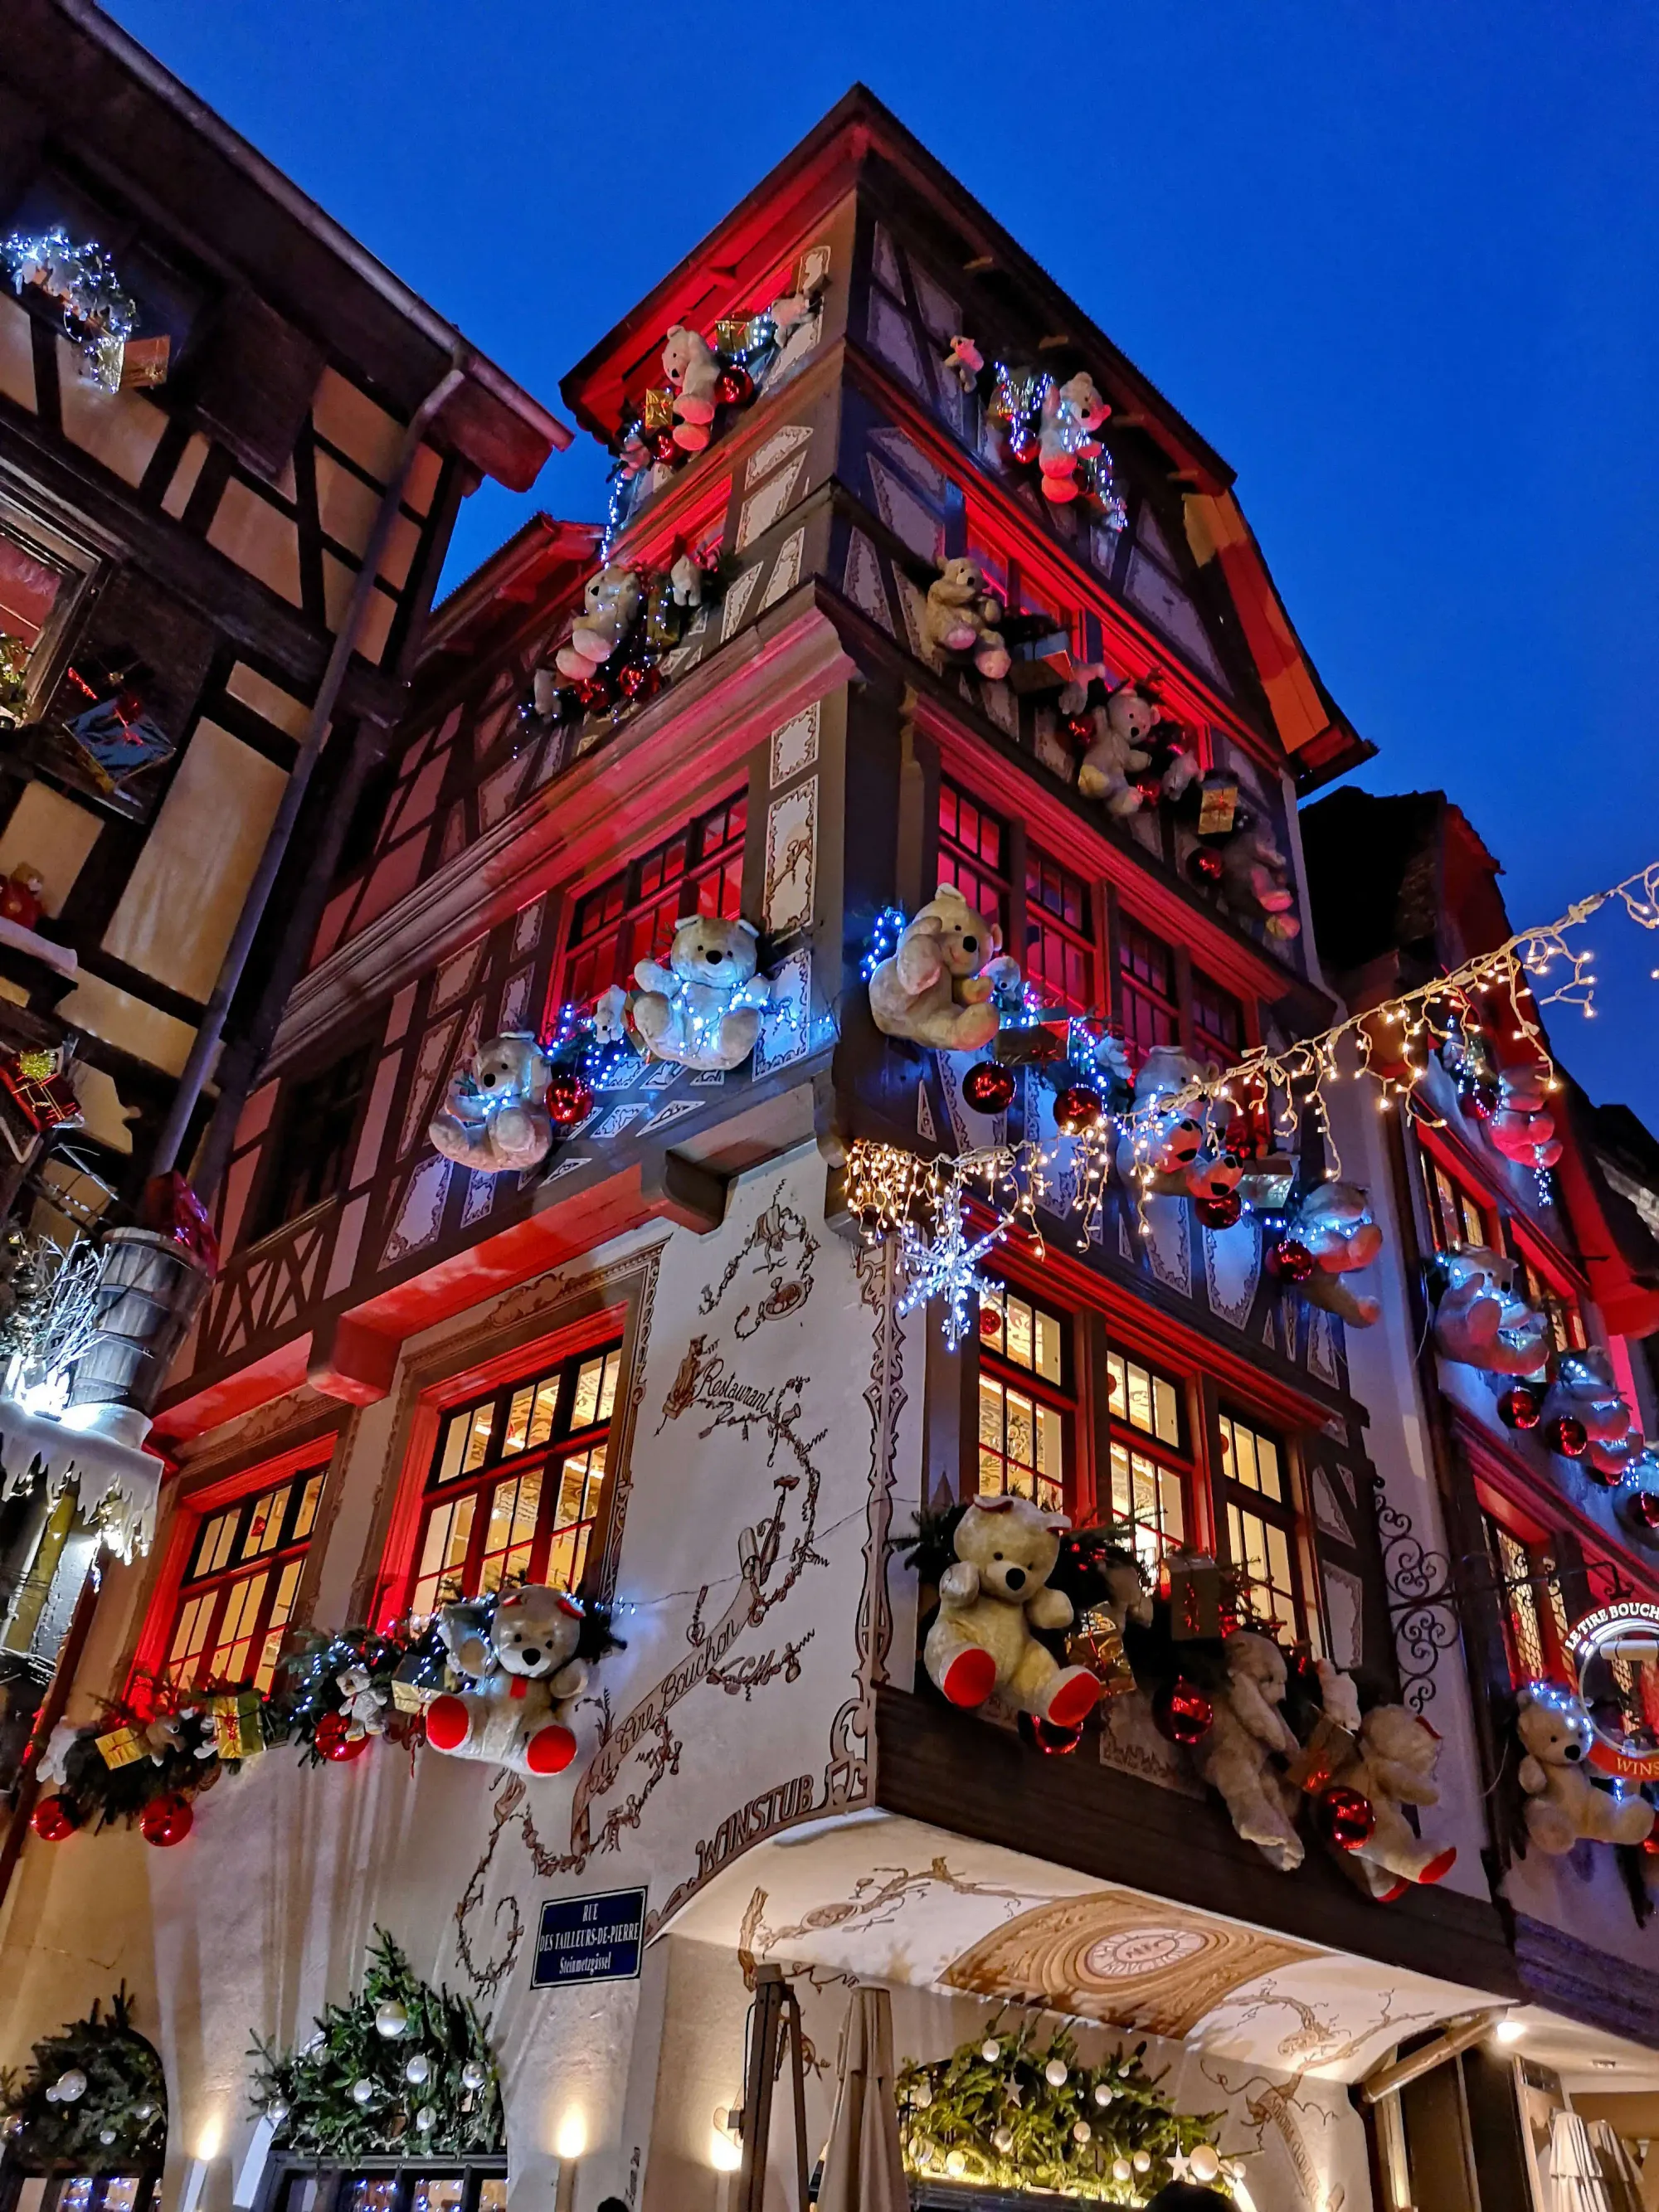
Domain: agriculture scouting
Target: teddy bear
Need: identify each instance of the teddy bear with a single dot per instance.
(1481, 1320)
(693, 371)
(702, 1009)
(1583, 1391)
(1556, 1733)
(1164, 1141)
(1247, 1730)
(494, 1117)
(989, 1601)
(22, 896)
(1335, 1226)
(526, 1679)
(936, 988)
(1255, 882)
(1393, 1765)
(1120, 749)
(610, 604)
(1072, 413)
(1524, 1128)
(964, 361)
(961, 616)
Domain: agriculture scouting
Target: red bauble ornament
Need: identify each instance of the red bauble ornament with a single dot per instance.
(1650, 1845)
(1481, 1102)
(988, 1087)
(596, 692)
(1294, 1262)
(51, 1820)
(734, 387)
(1181, 1713)
(1345, 1818)
(1024, 446)
(333, 1738)
(1520, 1406)
(1203, 866)
(990, 1322)
(1219, 1212)
(1149, 785)
(1080, 729)
(570, 1097)
(1643, 1507)
(1568, 1437)
(1076, 1108)
(166, 1820)
(1042, 1735)
(661, 446)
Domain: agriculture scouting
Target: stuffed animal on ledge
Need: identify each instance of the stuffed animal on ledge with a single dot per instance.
(1235, 1757)
(1120, 748)
(495, 1116)
(1393, 1765)
(526, 1680)
(1556, 1733)
(961, 616)
(1072, 413)
(1524, 1128)
(702, 1010)
(936, 988)
(1255, 882)
(991, 1600)
(693, 371)
(1481, 1320)
(1166, 1141)
(22, 896)
(1334, 1225)
(964, 361)
(1584, 1393)
(610, 602)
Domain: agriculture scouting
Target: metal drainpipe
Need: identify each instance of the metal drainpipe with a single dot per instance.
(202, 1051)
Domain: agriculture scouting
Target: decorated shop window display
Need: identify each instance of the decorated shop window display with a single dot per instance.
(404, 2069)
(100, 315)
(1005, 2113)
(93, 2099)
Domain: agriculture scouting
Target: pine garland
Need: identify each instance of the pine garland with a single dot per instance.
(307, 2094)
(119, 2120)
(1105, 2133)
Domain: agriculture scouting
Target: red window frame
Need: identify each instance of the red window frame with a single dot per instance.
(1455, 1209)
(1059, 934)
(1027, 1414)
(632, 915)
(1148, 989)
(1529, 1597)
(1150, 1472)
(973, 853)
(1256, 1495)
(1545, 1290)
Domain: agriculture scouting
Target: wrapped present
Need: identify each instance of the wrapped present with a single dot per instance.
(121, 1747)
(1330, 1747)
(1027, 1044)
(236, 1731)
(1194, 1596)
(1097, 1644)
(411, 1696)
(42, 1093)
(659, 409)
(117, 739)
(144, 363)
(1218, 808)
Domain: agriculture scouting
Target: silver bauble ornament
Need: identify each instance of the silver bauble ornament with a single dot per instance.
(1205, 2164)
(1055, 2073)
(990, 2049)
(1142, 2162)
(921, 2096)
(391, 2019)
(417, 2067)
(473, 2076)
(426, 2120)
(72, 2085)
(276, 2113)
(1003, 2140)
(51, 2094)
(106, 2134)
(1081, 2131)
(147, 2112)
(1121, 2170)
(362, 2093)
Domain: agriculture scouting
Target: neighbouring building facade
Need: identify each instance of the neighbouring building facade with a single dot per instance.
(907, 773)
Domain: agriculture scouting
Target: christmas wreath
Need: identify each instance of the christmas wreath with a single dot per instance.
(93, 2097)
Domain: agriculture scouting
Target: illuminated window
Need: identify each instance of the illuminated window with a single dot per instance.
(1026, 1404)
(1260, 1523)
(1559, 1308)
(514, 1485)
(435, 2185)
(1060, 952)
(1148, 1010)
(1217, 1023)
(1148, 1483)
(633, 916)
(41, 576)
(237, 1596)
(973, 847)
(1534, 1611)
(1455, 1217)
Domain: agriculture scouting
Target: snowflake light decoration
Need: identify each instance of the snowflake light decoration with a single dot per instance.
(946, 1266)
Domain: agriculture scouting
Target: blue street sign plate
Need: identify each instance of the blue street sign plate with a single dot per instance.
(590, 1939)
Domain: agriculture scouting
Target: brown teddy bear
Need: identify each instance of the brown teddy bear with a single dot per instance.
(1246, 1732)
(1556, 1733)
(1334, 1225)
(936, 988)
(962, 616)
(1394, 1765)
(989, 1602)
(1481, 1319)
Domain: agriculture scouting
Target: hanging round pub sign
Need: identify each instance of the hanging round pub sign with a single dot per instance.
(1616, 1651)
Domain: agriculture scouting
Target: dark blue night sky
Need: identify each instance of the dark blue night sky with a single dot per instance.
(1397, 262)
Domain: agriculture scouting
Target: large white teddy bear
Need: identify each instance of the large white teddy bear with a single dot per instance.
(693, 371)
(1393, 1765)
(526, 1679)
(610, 602)
(1165, 1143)
(1481, 1319)
(1335, 1226)
(702, 1010)
(1072, 413)
(1235, 1758)
(936, 989)
(990, 1601)
(1556, 1733)
(493, 1116)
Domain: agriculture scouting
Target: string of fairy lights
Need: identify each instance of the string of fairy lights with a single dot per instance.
(925, 1203)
